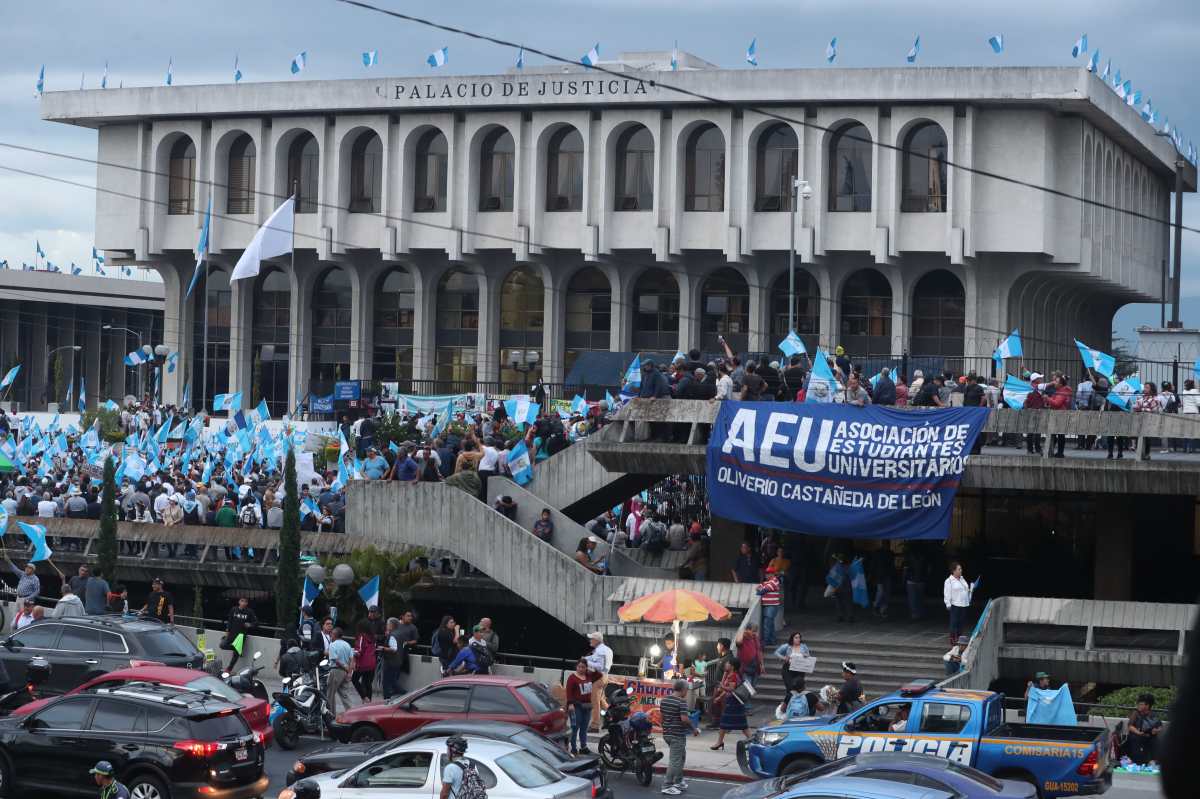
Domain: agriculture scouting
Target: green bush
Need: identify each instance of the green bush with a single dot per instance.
(395, 579)
(1114, 703)
(110, 424)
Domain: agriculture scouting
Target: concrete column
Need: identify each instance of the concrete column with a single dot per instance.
(620, 337)
(10, 334)
(554, 325)
(487, 343)
(241, 350)
(362, 322)
(760, 311)
(38, 350)
(689, 309)
(177, 329)
(65, 322)
(727, 538)
(116, 357)
(300, 355)
(91, 359)
(1113, 575)
(425, 283)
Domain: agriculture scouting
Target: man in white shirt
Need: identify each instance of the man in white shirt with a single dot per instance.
(47, 508)
(600, 661)
(488, 466)
(724, 384)
(956, 596)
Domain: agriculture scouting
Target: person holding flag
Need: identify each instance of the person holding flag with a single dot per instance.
(238, 623)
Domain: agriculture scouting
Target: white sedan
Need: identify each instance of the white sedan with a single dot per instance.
(414, 771)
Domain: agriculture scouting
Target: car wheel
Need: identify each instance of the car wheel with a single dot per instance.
(5, 779)
(798, 765)
(146, 786)
(367, 733)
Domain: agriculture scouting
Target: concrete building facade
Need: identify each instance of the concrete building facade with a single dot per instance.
(44, 316)
(446, 223)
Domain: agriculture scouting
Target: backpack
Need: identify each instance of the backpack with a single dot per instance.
(247, 517)
(655, 540)
(483, 659)
(471, 786)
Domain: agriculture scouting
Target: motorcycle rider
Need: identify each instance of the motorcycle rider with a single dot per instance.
(103, 773)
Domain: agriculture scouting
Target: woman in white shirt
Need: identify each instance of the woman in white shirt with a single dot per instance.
(956, 596)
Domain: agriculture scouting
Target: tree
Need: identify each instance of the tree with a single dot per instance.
(287, 581)
(60, 380)
(106, 543)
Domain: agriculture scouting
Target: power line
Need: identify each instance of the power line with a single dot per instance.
(758, 109)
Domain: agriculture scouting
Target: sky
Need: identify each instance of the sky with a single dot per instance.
(1152, 42)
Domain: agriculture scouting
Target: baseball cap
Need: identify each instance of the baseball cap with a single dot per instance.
(103, 768)
(1041, 675)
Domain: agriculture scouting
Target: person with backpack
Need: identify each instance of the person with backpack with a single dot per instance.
(460, 778)
(249, 515)
(654, 535)
(310, 631)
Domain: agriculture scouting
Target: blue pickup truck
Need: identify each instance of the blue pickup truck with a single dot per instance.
(967, 727)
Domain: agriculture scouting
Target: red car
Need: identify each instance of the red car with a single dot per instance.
(475, 697)
(255, 711)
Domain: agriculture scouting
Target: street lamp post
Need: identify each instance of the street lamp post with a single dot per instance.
(800, 188)
(139, 339)
(50, 357)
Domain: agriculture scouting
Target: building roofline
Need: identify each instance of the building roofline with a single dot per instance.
(81, 290)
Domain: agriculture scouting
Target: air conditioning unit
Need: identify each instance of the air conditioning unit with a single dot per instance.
(628, 202)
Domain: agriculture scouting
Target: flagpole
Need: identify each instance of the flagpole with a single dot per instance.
(295, 197)
(204, 356)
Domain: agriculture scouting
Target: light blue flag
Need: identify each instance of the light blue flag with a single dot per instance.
(308, 506)
(521, 58)
(997, 43)
(172, 361)
(187, 395)
(262, 411)
(1107, 70)
(1124, 393)
(1102, 362)
(579, 404)
(3, 520)
(40, 86)
(97, 256)
(237, 73)
(70, 393)
(1094, 61)
(208, 470)
(675, 57)
(633, 375)
(821, 384)
(82, 394)
(1015, 391)
(370, 592)
(1010, 347)
(1079, 47)
(438, 58)
(299, 62)
(914, 51)
(10, 377)
(76, 270)
(227, 402)
(443, 419)
(109, 405)
(136, 358)
(792, 345)
(591, 57)
(104, 77)
(831, 51)
(520, 464)
(201, 247)
(370, 58)
(310, 593)
(858, 583)
(611, 403)
(37, 247)
(752, 52)
(36, 533)
(171, 71)
(1196, 370)
(1044, 706)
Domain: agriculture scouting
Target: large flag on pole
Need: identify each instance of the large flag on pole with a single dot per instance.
(1009, 348)
(201, 247)
(370, 593)
(1015, 392)
(37, 534)
(10, 377)
(272, 239)
(1102, 362)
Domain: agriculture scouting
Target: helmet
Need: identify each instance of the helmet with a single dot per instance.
(641, 722)
(456, 744)
(306, 789)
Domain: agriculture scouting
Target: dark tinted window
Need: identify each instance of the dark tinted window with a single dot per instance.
(945, 719)
(66, 715)
(495, 699)
(975, 774)
(213, 728)
(116, 716)
(79, 639)
(929, 782)
(38, 636)
(153, 720)
(889, 775)
(538, 697)
(442, 700)
(111, 642)
(166, 642)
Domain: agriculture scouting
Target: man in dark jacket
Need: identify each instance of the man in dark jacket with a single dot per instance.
(793, 378)
(929, 396)
(654, 384)
(240, 621)
(884, 391)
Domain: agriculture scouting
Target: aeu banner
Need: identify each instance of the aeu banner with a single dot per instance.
(840, 470)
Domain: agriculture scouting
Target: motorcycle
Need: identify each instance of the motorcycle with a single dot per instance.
(246, 681)
(626, 744)
(300, 708)
(36, 672)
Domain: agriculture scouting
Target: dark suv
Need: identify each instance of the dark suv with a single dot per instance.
(171, 744)
(83, 647)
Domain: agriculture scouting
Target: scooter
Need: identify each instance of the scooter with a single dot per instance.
(300, 708)
(626, 744)
(246, 681)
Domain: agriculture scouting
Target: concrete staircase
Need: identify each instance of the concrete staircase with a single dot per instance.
(886, 653)
(575, 483)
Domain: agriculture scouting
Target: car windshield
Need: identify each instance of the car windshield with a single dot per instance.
(166, 643)
(212, 685)
(538, 744)
(526, 770)
(214, 728)
(538, 697)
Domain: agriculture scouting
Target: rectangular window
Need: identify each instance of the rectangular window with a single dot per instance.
(944, 719)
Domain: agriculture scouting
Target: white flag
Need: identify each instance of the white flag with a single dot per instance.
(272, 239)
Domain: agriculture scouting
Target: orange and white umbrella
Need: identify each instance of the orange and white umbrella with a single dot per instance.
(674, 605)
